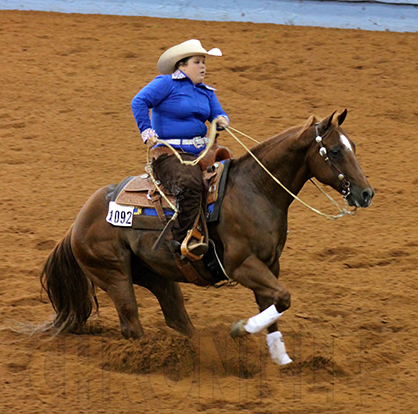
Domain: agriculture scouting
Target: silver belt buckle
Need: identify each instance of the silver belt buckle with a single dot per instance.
(199, 142)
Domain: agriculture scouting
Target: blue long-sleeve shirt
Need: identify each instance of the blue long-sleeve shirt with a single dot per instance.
(179, 109)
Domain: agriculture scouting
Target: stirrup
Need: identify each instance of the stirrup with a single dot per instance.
(194, 245)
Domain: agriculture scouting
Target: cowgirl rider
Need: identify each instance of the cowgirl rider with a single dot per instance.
(180, 105)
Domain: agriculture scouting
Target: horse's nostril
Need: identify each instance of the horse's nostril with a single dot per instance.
(368, 195)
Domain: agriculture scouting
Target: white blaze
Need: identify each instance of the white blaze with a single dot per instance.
(346, 142)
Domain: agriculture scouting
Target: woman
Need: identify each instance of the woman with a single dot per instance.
(180, 105)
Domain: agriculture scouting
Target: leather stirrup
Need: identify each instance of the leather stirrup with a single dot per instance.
(200, 235)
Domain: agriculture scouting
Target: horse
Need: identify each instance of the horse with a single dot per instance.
(249, 237)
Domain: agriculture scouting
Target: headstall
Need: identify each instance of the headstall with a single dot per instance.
(324, 154)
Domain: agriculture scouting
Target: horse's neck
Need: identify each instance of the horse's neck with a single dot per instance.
(284, 158)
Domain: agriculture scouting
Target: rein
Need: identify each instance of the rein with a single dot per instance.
(323, 152)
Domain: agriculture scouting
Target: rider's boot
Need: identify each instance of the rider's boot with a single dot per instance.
(194, 246)
(197, 248)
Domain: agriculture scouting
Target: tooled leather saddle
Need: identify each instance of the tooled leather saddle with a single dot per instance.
(141, 192)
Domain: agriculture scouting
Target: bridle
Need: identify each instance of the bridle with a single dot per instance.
(324, 154)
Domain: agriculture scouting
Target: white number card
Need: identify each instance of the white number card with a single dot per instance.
(120, 215)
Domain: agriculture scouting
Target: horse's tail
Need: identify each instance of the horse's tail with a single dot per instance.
(71, 294)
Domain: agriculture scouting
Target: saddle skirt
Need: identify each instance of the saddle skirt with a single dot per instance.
(137, 193)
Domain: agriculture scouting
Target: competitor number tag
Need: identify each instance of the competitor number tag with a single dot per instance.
(120, 215)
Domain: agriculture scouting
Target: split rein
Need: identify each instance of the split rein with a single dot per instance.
(322, 151)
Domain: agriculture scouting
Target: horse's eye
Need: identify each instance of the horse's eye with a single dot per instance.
(335, 152)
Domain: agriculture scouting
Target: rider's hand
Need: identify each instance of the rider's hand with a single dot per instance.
(221, 122)
(151, 141)
(150, 137)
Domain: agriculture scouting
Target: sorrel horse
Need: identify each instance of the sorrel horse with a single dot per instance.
(249, 237)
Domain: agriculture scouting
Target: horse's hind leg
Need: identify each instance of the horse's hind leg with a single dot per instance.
(101, 251)
(118, 285)
(123, 295)
(171, 300)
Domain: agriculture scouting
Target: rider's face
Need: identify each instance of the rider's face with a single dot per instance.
(195, 69)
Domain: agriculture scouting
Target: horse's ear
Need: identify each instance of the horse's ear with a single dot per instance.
(325, 124)
(342, 116)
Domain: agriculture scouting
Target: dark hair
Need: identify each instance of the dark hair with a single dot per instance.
(182, 62)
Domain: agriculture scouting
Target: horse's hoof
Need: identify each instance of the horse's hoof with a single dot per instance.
(238, 330)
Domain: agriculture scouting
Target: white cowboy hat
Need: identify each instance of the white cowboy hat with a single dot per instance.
(167, 62)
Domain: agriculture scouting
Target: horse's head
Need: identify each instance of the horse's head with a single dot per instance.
(332, 160)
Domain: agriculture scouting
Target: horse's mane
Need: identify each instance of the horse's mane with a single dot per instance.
(293, 133)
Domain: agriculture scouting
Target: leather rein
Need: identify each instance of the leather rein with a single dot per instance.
(346, 189)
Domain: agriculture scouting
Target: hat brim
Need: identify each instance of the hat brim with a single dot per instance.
(167, 62)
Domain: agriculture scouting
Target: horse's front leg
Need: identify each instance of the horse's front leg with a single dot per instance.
(272, 299)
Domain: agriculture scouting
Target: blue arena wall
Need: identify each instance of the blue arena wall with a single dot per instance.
(391, 15)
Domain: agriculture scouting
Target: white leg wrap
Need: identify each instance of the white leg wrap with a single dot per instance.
(277, 349)
(263, 320)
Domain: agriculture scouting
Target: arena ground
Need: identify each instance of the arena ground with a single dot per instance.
(66, 129)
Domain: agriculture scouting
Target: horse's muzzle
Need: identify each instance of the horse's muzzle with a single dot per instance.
(361, 197)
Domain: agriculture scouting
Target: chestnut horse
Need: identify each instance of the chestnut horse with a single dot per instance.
(249, 237)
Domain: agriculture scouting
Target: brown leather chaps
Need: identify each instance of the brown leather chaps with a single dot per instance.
(186, 183)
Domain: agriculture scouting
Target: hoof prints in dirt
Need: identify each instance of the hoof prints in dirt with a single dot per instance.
(318, 368)
(356, 258)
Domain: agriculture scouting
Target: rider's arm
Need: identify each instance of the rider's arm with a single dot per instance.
(147, 98)
(216, 112)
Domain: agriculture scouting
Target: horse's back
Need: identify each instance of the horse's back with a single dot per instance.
(95, 208)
